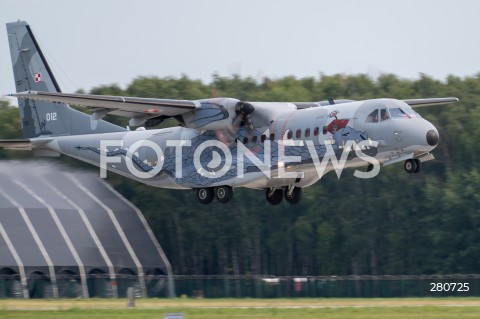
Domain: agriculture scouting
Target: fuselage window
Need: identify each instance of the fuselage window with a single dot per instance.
(298, 134)
(307, 132)
(254, 139)
(397, 112)
(373, 117)
(264, 137)
(272, 137)
(289, 135)
(384, 115)
(245, 140)
(316, 131)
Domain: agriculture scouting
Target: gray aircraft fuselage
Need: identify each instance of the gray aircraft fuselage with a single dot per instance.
(403, 135)
(221, 143)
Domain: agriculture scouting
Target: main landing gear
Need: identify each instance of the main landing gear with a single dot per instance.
(412, 166)
(274, 196)
(292, 195)
(205, 195)
(223, 194)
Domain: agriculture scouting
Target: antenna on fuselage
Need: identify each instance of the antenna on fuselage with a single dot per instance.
(330, 100)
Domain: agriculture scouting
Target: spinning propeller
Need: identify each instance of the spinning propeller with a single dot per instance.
(243, 110)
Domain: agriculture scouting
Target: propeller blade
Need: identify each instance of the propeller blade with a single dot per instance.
(243, 110)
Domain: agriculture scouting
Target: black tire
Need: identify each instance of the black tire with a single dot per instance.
(419, 166)
(275, 198)
(295, 197)
(205, 195)
(410, 166)
(223, 194)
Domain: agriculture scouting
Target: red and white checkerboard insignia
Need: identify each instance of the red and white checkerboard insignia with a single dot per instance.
(38, 77)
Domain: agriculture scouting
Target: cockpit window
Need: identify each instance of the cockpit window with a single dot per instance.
(410, 112)
(384, 115)
(373, 117)
(397, 112)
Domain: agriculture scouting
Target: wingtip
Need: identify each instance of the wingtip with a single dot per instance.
(453, 99)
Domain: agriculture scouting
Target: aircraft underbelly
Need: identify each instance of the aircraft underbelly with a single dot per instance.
(144, 160)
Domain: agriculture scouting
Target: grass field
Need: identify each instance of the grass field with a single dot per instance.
(422, 308)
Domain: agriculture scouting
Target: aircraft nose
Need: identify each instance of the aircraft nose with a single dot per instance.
(432, 137)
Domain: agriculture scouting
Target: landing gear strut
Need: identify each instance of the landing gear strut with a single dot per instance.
(293, 194)
(412, 166)
(274, 195)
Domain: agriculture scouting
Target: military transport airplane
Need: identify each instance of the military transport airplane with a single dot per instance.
(220, 143)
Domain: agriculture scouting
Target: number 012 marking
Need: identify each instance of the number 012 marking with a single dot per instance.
(51, 116)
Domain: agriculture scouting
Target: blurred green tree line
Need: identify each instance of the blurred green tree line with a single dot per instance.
(396, 223)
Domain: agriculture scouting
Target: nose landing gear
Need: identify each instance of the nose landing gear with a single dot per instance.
(412, 166)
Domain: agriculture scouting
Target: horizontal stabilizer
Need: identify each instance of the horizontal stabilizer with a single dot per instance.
(430, 101)
(19, 144)
(116, 105)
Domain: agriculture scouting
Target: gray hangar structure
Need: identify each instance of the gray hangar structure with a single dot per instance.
(66, 234)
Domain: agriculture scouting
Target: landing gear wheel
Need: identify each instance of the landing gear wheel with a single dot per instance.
(205, 195)
(419, 166)
(274, 197)
(410, 166)
(223, 194)
(293, 196)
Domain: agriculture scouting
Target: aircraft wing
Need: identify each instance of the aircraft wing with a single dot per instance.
(430, 101)
(18, 144)
(132, 107)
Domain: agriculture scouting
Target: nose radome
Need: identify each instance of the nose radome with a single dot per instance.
(432, 137)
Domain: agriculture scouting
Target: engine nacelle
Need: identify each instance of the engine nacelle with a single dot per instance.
(213, 114)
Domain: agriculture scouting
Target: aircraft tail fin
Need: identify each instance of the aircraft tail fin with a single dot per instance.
(32, 73)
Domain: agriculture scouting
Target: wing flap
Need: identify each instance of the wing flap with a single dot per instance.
(430, 101)
(103, 104)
